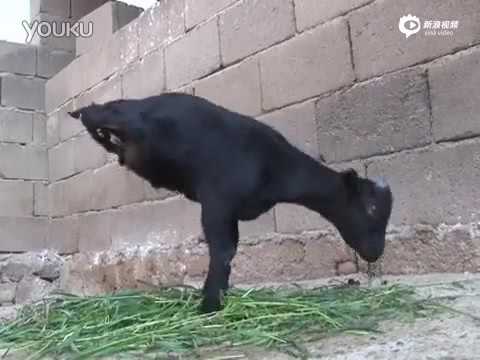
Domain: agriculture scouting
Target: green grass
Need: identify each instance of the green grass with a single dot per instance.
(168, 321)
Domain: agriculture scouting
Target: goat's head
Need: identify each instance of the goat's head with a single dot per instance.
(368, 208)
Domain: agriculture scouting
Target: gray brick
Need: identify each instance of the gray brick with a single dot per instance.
(381, 116)
(50, 41)
(168, 223)
(296, 219)
(152, 193)
(297, 124)
(236, 88)
(313, 12)
(147, 78)
(74, 156)
(61, 126)
(80, 8)
(54, 7)
(195, 55)
(454, 84)
(94, 190)
(160, 24)
(244, 29)
(72, 195)
(263, 225)
(379, 46)
(106, 20)
(16, 198)
(25, 93)
(200, 10)
(100, 94)
(15, 126)
(51, 62)
(115, 55)
(17, 58)
(23, 234)
(95, 230)
(115, 186)
(39, 129)
(61, 161)
(63, 235)
(290, 71)
(23, 162)
(41, 199)
(67, 83)
(434, 187)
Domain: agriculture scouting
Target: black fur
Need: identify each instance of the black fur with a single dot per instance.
(237, 168)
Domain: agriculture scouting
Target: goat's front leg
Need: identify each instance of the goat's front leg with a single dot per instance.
(221, 231)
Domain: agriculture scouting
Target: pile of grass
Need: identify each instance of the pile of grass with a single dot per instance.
(168, 321)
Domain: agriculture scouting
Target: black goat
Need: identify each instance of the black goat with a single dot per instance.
(237, 168)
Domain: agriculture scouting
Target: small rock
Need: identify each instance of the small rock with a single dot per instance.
(8, 313)
(7, 293)
(31, 289)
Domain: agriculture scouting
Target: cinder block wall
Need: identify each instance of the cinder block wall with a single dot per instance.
(336, 78)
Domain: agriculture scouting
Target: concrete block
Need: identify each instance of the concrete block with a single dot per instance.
(422, 249)
(23, 162)
(39, 129)
(299, 60)
(45, 36)
(71, 196)
(379, 46)
(115, 186)
(16, 126)
(297, 124)
(17, 58)
(161, 24)
(453, 87)
(264, 224)
(40, 192)
(59, 8)
(63, 235)
(23, 234)
(51, 61)
(7, 293)
(80, 8)
(16, 198)
(433, 187)
(146, 78)
(195, 55)
(292, 219)
(22, 92)
(382, 116)
(313, 12)
(94, 232)
(67, 83)
(120, 51)
(237, 88)
(100, 94)
(197, 11)
(244, 31)
(74, 156)
(152, 193)
(168, 223)
(106, 20)
(61, 126)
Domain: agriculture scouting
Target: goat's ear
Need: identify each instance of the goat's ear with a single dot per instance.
(350, 179)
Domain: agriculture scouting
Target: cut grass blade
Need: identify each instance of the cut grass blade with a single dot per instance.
(168, 321)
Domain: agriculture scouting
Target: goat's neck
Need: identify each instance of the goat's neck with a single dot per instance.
(316, 187)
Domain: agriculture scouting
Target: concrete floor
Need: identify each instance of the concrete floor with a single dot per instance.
(447, 337)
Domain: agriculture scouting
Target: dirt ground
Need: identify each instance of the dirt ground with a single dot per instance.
(446, 337)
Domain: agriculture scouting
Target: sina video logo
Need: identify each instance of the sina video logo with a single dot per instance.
(409, 25)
